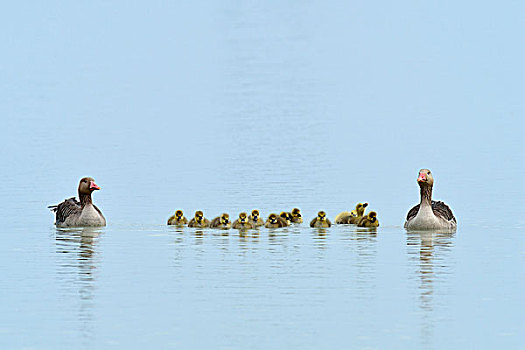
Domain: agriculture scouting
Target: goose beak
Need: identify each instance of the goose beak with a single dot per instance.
(93, 186)
(422, 177)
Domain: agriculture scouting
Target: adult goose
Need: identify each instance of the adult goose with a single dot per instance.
(72, 213)
(429, 214)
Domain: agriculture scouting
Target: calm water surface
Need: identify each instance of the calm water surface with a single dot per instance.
(241, 105)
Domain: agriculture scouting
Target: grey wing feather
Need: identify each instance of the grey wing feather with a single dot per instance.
(65, 209)
(442, 210)
(412, 212)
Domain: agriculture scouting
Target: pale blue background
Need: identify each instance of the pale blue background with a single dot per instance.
(232, 105)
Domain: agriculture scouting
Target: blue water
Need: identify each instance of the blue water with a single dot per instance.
(231, 106)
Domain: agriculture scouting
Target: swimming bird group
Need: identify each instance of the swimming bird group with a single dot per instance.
(427, 215)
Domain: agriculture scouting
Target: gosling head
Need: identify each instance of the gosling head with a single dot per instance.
(255, 214)
(360, 208)
(273, 218)
(87, 185)
(321, 215)
(296, 213)
(225, 219)
(242, 217)
(353, 213)
(198, 216)
(425, 178)
(372, 216)
(179, 214)
(286, 216)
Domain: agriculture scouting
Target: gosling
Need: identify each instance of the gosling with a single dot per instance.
(369, 220)
(320, 220)
(297, 218)
(178, 219)
(360, 210)
(222, 222)
(199, 220)
(242, 223)
(286, 217)
(255, 219)
(274, 221)
(344, 217)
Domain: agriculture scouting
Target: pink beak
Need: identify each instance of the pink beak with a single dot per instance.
(93, 186)
(422, 177)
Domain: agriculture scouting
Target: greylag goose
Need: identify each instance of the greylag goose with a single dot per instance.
(275, 221)
(297, 218)
(242, 222)
(199, 220)
(429, 214)
(71, 213)
(320, 220)
(178, 219)
(255, 218)
(369, 220)
(222, 221)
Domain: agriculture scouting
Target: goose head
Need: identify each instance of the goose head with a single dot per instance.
(87, 185)
(296, 213)
(242, 217)
(425, 178)
(272, 218)
(353, 213)
(255, 214)
(372, 216)
(179, 214)
(321, 215)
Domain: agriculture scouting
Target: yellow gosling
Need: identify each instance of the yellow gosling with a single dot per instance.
(274, 221)
(320, 220)
(360, 211)
(199, 220)
(255, 218)
(178, 219)
(369, 220)
(222, 222)
(242, 222)
(297, 218)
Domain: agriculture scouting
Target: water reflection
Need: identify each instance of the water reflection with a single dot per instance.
(430, 251)
(76, 270)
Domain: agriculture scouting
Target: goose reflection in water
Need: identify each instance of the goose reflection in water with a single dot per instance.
(77, 262)
(430, 250)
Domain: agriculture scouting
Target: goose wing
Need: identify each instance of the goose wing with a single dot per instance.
(65, 209)
(442, 210)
